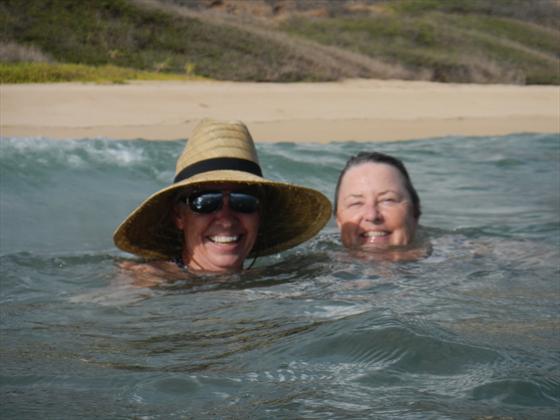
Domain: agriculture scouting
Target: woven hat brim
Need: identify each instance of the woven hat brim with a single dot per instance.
(291, 214)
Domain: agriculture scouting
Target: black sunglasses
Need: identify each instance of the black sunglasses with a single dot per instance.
(206, 202)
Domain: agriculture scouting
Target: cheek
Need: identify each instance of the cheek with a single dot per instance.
(345, 216)
(251, 224)
(194, 227)
(406, 223)
(400, 216)
(348, 235)
(347, 230)
(179, 218)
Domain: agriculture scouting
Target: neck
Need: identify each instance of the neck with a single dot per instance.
(186, 262)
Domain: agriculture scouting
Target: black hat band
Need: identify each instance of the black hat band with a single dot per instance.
(219, 164)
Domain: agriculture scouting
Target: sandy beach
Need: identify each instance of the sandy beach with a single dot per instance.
(354, 110)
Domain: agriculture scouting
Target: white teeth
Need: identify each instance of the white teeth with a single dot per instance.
(376, 234)
(224, 239)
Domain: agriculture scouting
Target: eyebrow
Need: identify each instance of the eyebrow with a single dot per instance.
(360, 195)
(353, 196)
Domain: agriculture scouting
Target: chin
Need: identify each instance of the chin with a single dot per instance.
(366, 243)
(381, 245)
(374, 245)
(228, 265)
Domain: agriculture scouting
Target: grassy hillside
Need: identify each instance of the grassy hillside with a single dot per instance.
(445, 47)
(125, 34)
(481, 41)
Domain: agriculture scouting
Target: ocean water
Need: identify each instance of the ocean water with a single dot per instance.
(471, 331)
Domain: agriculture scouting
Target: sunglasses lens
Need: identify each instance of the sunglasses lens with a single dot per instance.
(243, 202)
(205, 202)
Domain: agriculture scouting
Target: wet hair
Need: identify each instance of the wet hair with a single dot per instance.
(376, 157)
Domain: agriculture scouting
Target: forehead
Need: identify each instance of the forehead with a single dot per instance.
(372, 176)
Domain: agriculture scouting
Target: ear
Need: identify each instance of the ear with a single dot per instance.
(177, 214)
(338, 223)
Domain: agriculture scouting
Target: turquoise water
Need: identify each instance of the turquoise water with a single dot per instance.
(471, 331)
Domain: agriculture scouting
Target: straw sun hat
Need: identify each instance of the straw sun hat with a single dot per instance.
(224, 152)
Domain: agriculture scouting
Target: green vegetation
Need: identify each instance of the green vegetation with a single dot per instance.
(117, 32)
(449, 47)
(541, 12)
(483, 41)
(47, 72)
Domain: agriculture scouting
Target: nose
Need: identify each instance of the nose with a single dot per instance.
(373, 214)
(225, 214)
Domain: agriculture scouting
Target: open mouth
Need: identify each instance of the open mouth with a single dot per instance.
(223, 239)
(375, 238)
(375, 234)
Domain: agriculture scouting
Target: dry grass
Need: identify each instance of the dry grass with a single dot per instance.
(304, 56)
(12, 52)
(286, 40)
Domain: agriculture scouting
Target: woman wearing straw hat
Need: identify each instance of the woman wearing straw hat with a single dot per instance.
(219, 209)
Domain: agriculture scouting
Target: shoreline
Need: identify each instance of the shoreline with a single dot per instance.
(351, 110)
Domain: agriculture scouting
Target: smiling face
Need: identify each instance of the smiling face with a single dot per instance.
(218, 241)
(374, 207)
